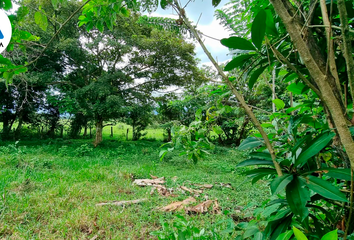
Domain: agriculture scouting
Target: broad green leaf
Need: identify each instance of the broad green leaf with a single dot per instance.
(261, 155)
(255, 76)
(282, 227)
(55, 4)
(280, 183)
(252, 162)
(164, 4)
(7, 4)
(258, 236)
(279, 104)
(218, 130)
(270, 29)
(324, 188)
(99, 25)
(333, 235)
(5, 61)
(8, 76)
(299, 235)
(237, 62)
(260, 172)
(41, 20)
(250, 143)
(297, 196)
(338, 173)
(280, 214)
(237, 43)
(162, 154)
(314, 147)
(125, 12)
(215, 2)
(296, 88)
(258, 28)
(251, 230)
(20, 69)
(285, 236)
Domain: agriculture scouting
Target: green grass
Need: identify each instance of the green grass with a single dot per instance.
(49, 188)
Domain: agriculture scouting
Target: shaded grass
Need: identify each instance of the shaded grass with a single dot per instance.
(48, 189)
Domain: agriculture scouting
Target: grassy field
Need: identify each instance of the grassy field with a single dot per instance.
(49, 189)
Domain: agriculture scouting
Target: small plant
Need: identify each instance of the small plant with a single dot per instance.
(182, 139)
(83, 150)
(184, 229)
(64, 151)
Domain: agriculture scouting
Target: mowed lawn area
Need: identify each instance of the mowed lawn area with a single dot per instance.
(49, 189)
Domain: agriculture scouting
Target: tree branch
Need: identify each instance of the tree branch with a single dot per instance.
(232, 88)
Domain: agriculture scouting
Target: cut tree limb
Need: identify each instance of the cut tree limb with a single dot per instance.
(123, 203)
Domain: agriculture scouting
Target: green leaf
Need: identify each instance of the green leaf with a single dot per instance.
(280, 183)
(251, 162)
(314, 147)
(237, 43)
(55, 4)
(164, 4)
(338, 173)
(261, 155)
(270, 29)
(260, 172)
(279, 104)
(8, 76)
(299, 235)
(297, 196)
(215, 2)
(255, 76)
(282, 227)
(237, 62)
(125, 12)
(296, 88)
(250, 143)
(285, 236)
(333, 235)
(41, 20)
(163, 153)
(8, 5)
(99, 25)
(258, 236)
(218, 130)
(258, 28)
(324, 188)
(5, 61)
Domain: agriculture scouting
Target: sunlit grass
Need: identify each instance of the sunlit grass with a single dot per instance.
(48, 189)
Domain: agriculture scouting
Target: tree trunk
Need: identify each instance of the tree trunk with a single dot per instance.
(314, 63)
(19, 127)
(85, 131)
(169, 134)
(5, 128)
(99, 130)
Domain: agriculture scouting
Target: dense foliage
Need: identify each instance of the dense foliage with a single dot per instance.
(291, 75)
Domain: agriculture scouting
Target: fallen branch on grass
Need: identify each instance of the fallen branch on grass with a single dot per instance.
(149, 182)
(122, 203)
(178, 205)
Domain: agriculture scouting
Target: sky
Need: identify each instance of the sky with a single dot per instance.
(208, 25)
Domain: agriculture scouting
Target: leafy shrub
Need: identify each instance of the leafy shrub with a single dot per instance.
(83, 150)
(184, 229)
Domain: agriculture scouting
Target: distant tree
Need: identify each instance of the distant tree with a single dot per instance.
(127, 63)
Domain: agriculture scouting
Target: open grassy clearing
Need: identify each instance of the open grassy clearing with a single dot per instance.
(49, 188)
